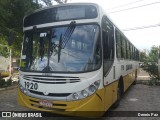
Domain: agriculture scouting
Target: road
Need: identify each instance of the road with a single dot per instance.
(142, 75)
(138, 98)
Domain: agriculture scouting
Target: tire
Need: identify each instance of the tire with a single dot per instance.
(119, 95)
(135, 82)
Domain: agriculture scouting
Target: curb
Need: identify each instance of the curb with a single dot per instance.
(141, 81)
(147, 82)
(8, 88)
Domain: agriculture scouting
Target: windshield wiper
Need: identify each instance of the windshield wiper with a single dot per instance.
(65, 38)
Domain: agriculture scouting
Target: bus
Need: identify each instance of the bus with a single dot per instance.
(74, 59)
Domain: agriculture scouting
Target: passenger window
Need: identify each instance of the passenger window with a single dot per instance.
(118, 45)
(124, 47)
(128, 49)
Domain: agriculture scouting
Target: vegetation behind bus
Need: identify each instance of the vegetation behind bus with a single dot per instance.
(150, 64)
(12, 13)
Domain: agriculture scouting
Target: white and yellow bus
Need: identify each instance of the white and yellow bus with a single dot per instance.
(74, 59)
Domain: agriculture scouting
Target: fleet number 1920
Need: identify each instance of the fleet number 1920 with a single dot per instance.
(31, 85)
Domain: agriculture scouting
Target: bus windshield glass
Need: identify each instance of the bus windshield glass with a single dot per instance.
(43, 50)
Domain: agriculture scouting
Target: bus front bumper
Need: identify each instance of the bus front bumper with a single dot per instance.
(92, 106)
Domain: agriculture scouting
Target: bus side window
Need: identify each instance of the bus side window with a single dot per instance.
(124, 47)
(119, 45)
(108, 45)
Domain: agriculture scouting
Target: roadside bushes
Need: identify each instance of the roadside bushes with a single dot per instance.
(151, 65)
(8, 82)
(4, 83)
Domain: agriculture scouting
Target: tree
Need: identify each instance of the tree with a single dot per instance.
(151, 63)
(153, 54)
(12, 13)
(143, 56)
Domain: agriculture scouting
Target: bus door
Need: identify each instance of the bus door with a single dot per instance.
(108, 59)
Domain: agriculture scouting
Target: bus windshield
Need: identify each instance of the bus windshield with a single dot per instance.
(42, 53)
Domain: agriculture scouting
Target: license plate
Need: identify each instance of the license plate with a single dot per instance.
(45, 103)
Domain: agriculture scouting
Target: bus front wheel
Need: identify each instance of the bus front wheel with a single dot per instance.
(119, 95)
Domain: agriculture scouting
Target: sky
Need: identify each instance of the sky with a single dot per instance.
(147, 15)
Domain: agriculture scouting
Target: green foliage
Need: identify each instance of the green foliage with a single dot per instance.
(3, 47)
(151, 64)
(143, 56)
(4, 51)
(152, 82)
(153, 54)
(2, 82)
(152, 69)
(11, 20)
(9, 82)
(11, 14)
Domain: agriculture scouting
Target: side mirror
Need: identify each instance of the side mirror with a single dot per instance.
(10, 38)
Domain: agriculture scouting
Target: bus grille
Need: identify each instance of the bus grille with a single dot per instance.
(51, 79)
(50, 94)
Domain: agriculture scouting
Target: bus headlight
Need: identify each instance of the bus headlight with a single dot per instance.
(84, 93)
(75, 96)
(92, 88)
